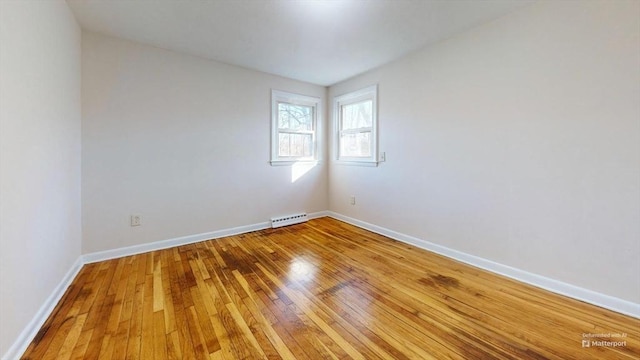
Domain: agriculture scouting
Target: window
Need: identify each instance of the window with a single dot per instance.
(355, 117)
(294, 123)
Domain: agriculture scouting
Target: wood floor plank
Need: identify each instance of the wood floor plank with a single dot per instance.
(134, 340)
(159, 336)
(319, 290)
(146, 336)
(81, 346)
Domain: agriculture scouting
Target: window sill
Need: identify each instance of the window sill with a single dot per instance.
(293, 162)
(357, 163)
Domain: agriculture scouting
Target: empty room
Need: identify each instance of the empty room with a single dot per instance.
(319, 179)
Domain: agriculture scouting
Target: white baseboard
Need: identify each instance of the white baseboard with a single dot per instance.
(183, 240)
(318, 214)
(558, 287)
(31, 330)
(165, 244)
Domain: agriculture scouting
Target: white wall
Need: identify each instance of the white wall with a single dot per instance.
(518, 141)
(182, 141)
(39, 157)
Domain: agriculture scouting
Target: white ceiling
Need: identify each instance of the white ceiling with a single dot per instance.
(317, 41)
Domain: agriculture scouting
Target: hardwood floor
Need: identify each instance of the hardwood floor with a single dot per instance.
(319, 290)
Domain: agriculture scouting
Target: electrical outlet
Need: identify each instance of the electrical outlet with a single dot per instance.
(352, 200)
(136, 220)
(383, 156)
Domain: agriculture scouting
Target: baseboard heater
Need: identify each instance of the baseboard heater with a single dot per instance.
(280, 221)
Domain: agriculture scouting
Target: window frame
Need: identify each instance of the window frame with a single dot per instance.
(277, 97)
(367, 93)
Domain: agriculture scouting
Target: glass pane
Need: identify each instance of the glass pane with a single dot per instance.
(295, 145)
(295, 117)
(283, 145)
(355, 145)
(357, 115)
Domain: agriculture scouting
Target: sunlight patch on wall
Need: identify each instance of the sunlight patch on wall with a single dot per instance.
(299, 169)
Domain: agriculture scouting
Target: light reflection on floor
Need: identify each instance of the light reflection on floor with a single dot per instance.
(301, 270)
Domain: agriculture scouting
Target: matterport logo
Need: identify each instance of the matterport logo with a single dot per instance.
(604, 340)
